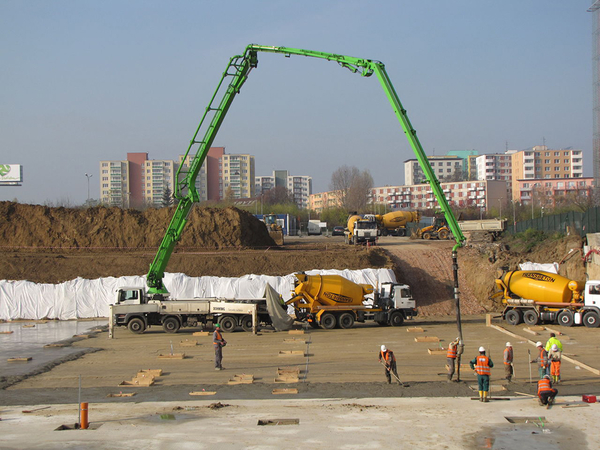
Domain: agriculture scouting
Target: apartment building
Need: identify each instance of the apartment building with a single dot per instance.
(114, 183)
(447, 167)
(549, 192)
(324, 200)
(158, 179)
(236, 176)
(542, 163)
(299, 187)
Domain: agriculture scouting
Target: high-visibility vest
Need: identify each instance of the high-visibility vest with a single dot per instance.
(483, 365)
(217, 337)
(388, 355)
(543, 358)
(544, 385)
(508, 355)
(451, 352)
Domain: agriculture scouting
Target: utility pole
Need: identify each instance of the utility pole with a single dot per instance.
(500, 203)
(88, 176)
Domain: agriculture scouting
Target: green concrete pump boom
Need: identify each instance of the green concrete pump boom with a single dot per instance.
(231, 82)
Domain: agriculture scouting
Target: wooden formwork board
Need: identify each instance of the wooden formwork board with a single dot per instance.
(122, 394)
(287, 379)
(30, 325)
(172, 356)
(138, 382)
(530, 331)
(188, 343)
(427, 339)
(201, 333)
(296, 332)
(493, 387)
(285, 391)
(415, 330)
(437, 351)
(292, 353)
(288, 370)
(242, 379)
(19, 359)
(295, 341)
(153, 372)
(6, 332)
(203, 393)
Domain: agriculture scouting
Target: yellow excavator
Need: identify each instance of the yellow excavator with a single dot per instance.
(275, 230)
(437, 230)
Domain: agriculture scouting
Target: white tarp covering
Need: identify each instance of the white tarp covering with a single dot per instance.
(550, 267)
(82, 298)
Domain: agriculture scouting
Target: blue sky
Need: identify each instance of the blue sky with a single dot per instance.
(82, 81)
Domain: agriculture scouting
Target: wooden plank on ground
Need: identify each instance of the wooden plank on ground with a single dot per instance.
(296, 332)
(287, 379)
(415, 330)
(153, 372)
(242, 379)
(188, 343)
(19, 359)
(203, 393)
(437, 351)
(6, 332)
(285, 391)
(292, 353)
(172, 356)
(530, 331)
(122, 394)
(295, 341)
(288, 370)
(427, 339)
(138, 382)
(201, 333)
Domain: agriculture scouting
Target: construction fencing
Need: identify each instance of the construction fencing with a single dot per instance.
(580, 223)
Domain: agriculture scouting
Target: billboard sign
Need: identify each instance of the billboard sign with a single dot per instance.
(11, 173)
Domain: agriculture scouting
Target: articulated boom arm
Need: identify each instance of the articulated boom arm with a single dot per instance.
(237, 72)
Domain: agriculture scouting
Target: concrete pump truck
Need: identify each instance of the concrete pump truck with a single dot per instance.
(137, 309)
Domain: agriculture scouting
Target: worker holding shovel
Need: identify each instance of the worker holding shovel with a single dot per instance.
(387, 358)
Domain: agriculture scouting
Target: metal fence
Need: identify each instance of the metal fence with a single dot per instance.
(567, 223)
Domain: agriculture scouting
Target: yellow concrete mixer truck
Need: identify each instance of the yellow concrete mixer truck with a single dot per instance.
(394, 223)
(330, 301)
(534, 296)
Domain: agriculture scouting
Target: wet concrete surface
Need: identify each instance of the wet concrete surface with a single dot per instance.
(28, 339)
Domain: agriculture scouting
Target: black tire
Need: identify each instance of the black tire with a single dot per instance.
(591, 319)
(171, 325)
(228, 323)
(530, 317)
(346, 320)
(426, 236)
(443, 234)
(565, 318)
(396, 319)
(136, 325)
(513, 317)
(328, 321)
(247, 323)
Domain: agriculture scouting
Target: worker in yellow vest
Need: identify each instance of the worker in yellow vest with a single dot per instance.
(481, 365)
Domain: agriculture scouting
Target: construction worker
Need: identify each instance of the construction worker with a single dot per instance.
(508, 361)
(451, 358)
(554, 356)
(481, 365)
(542, 360)
(546, 393)
(553, 341)
(387, 358)
(218, 343)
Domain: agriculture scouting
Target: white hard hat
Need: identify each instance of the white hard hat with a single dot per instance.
(383, 348)
(554, 347)
(481, 349)
(508, 344)
(538, 344)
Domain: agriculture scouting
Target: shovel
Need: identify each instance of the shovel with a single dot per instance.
(36, 409)
(399, 381)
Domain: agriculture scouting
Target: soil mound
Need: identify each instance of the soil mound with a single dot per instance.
(35, 226)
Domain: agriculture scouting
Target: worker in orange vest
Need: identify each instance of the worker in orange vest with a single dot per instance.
(218, 343)
(451, 357)
(546, 393)
(387, 358)
(542, 360)
(481, 365)
(508, 361)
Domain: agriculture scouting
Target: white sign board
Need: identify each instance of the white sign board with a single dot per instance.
(11, 173)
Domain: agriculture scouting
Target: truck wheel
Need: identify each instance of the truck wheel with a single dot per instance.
(327, 321)
(443, 234)
(565, 318)
(346, 320)
(591, 320)
(228, 324)
(426, 236)
(171, 325)
(530, 317)
(396, 319)
(247, 323)
(136, 325)
(513, 317)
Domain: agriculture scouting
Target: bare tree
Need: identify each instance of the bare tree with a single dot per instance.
(352, 187)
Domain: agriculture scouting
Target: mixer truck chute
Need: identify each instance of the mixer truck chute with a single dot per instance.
(331, 301)
(534, 296)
